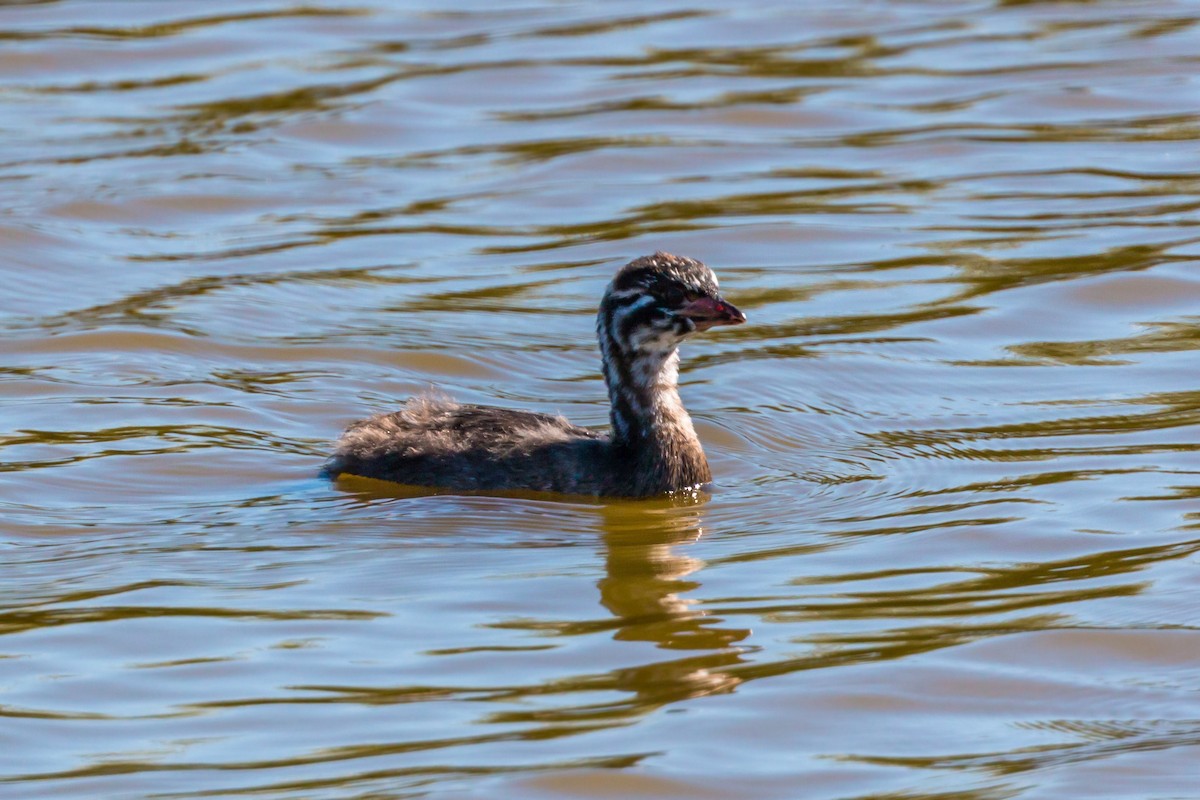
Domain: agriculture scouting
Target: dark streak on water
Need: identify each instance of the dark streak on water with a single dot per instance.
(953, 548)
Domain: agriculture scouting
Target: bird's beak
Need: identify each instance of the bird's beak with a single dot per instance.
(707, 312)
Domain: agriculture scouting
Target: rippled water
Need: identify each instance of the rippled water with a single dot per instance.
(952, 548)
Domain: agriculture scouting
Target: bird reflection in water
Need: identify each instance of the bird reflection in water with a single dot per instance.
(646, 580)
(644, 587)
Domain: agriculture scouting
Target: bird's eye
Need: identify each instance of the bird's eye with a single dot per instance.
(674, 296)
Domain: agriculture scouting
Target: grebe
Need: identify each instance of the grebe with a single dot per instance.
(653, 304)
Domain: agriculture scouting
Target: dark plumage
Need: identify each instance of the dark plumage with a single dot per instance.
(652, 304)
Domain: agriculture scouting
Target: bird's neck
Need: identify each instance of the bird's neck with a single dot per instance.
(650, 427)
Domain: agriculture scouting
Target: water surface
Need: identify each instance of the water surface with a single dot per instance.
(952, 546)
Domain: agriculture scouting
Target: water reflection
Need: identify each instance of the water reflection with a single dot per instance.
(647, 578)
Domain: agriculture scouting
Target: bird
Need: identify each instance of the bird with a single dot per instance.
(653, 304)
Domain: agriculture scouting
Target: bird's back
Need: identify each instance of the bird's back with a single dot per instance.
(434, 442)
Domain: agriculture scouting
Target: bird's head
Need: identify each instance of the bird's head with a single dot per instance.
(655, 302)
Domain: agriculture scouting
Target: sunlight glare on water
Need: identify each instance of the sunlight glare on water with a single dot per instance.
(951, 549)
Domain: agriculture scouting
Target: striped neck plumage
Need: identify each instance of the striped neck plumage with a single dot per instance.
(641, 370)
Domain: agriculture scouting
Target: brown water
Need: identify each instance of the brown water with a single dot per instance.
(952, 548)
